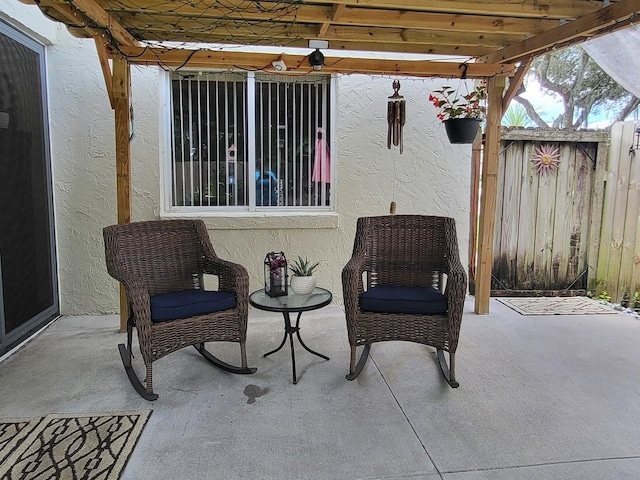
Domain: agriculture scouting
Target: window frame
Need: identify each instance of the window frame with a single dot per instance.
(324, 214)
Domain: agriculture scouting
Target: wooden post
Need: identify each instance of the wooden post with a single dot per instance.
(476, 151)
(121, 94)
(495, 87)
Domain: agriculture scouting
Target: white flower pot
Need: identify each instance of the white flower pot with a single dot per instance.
(303, 285)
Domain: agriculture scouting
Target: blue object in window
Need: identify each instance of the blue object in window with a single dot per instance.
(266, 189)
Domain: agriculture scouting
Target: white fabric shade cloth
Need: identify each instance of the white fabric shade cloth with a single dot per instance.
(618, 54)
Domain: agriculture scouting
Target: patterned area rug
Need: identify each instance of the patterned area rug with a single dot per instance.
(69, 446)
(556, 306)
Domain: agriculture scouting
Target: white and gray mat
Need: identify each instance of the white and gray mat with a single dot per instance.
(69, 446)
(556, 306)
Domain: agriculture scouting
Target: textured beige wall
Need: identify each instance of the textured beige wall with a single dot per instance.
(430, 177)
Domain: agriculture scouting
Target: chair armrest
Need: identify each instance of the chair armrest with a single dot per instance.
(456, 288)
(352, 288)
(232, 277)
(352, 284)
(139, 302)
(455, 292)
(135, 288)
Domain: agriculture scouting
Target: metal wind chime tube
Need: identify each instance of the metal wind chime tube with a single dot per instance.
(396, 116)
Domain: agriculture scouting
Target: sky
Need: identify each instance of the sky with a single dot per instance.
(549, 106)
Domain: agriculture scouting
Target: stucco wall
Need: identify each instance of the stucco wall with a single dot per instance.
(430, 177)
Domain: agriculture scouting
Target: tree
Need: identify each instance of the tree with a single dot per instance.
(516, 116)
(582, 86)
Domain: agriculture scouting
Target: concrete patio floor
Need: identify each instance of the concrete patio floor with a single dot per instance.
(540, 397)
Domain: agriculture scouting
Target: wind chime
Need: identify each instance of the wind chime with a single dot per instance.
(396, 115)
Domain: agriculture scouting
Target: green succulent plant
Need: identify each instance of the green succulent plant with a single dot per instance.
(303, 267)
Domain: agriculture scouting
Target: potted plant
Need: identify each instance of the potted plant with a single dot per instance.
(461, 115)
(302, 280)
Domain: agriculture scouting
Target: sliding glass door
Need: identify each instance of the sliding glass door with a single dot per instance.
(29, 293)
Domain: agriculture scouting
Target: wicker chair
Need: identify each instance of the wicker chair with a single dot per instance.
(161, 265)
(406, 259)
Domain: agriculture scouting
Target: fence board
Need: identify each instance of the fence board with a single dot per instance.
(561, 237)
(510, 217)
(527, 208)
(542, 265)
(500, 206)
(581, 214)
(595, 216)
(635, 274)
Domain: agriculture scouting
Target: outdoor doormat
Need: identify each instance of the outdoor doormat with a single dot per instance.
(69, 446)
(556, 306)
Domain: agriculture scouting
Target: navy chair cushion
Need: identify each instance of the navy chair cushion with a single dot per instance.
(403, 299)
(189, 303)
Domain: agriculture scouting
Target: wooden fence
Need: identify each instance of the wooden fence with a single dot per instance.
(618, 260)
(545, 224)
(576, 226)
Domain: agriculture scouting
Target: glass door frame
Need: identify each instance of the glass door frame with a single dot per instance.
(17, 335)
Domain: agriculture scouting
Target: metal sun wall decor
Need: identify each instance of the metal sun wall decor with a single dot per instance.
(546, 159)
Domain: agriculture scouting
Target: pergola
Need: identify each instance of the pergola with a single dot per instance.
(494, 40)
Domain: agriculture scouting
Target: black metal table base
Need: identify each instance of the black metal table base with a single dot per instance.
(290, 330)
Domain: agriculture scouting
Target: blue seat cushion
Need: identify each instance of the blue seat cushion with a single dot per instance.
(403, 299)
(189, 303)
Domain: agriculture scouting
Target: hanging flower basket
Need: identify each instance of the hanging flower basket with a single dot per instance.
(461, 115)
(462, 130)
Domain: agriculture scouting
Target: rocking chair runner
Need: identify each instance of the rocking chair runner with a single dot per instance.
(161, 265)
(406, 259)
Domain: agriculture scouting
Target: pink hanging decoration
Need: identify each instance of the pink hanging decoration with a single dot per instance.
(321, 160)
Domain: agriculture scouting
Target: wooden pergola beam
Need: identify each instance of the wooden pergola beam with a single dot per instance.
(106, 68)
(557, 9)
(514, 84)
(608, 19)
(495, 87)
(336, 13)
(261, 61)
(68, 15)
(341, 14)
(104, 20)
(162, 27)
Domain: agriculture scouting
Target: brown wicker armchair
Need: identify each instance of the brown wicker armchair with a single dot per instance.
(161, 264)
(406, 259)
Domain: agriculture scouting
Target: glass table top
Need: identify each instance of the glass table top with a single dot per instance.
(291, 302)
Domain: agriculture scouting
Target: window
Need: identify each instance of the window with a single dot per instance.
(250, 142)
